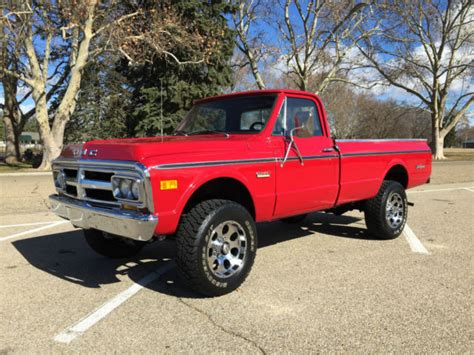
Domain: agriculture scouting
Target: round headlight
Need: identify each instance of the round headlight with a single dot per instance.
(125, 188)
(135, 190)
(61, 180)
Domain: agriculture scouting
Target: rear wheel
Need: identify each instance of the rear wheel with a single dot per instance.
(111, 245)
(386, 213)
(216, 246)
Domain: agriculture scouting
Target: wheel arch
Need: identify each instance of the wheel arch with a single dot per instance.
(397, 172)
(224, 187)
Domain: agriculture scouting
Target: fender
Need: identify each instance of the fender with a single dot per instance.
(391, 164)
(204, 177)
(171, 203)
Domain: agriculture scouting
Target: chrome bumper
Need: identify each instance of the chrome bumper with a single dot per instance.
(129, 224)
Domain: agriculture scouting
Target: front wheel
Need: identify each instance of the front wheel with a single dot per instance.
(112, 246)
(216, 246)
(386, 214)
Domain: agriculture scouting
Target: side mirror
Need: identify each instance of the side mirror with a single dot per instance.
(293, 143)
(293, 130)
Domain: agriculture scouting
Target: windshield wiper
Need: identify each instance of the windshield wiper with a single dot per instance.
(209, 131)
(179, 133)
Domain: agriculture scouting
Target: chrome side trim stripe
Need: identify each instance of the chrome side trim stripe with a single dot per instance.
(382, 140)
(211, 163)
(233, 162)
(272, 160)
(344, 155)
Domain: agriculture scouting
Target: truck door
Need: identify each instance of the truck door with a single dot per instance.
(307, 181)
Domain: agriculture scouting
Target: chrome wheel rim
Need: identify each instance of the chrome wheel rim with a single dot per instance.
(394, 210)
(226, 249)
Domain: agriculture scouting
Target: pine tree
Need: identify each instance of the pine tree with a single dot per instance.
(182, 83)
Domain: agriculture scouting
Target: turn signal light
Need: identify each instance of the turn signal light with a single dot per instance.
(168, 184)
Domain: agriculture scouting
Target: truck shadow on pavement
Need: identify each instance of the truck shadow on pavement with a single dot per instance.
(67, 256)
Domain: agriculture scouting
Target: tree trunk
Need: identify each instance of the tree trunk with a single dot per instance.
(12, 118)
(51, 149)
(255, 71)
(12, 148)
(437, 142)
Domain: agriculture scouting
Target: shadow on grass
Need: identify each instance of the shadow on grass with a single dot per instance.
(67, 256)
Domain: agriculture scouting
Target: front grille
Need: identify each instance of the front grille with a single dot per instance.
(70, 173)
(92, 181)
(71, 190)
(101, 195)
(98, 175)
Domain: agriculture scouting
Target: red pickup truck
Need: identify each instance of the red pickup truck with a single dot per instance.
(233, 161)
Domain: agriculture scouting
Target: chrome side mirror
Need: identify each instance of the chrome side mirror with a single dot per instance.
(290, 144)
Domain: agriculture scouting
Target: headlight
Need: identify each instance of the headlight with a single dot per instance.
(135, 190)
(127, 189)
(60, 180)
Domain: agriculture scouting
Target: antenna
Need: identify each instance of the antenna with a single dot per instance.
(161, 106)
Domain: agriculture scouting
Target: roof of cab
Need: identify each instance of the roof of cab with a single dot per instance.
(258, 92)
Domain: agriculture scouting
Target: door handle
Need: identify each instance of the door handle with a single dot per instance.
(328, 150)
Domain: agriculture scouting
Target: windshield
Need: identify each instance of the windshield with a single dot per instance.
(248, 114)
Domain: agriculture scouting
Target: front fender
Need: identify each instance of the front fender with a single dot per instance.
(169, 204)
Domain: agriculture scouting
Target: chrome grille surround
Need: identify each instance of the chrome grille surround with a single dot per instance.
(76, 184)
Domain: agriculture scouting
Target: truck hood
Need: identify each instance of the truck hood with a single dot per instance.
(165, 149)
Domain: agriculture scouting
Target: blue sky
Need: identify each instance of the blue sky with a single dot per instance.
(271, 36)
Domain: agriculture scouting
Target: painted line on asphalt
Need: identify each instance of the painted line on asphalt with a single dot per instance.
(440, 190)
(415, 244)
(16, 235)
(27, 224)
(46, 173)
(69, 334)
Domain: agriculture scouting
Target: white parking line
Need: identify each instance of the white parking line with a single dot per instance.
(26, 224)
(415, 244)
(16, 235)
(88, 321)
(440, 190)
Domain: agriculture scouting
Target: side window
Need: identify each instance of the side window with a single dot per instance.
(298, 113)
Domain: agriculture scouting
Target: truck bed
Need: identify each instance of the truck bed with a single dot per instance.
(364, 163)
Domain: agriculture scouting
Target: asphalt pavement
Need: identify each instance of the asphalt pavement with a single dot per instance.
(321, 286)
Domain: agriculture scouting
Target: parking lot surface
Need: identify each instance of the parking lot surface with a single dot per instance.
(321, 286)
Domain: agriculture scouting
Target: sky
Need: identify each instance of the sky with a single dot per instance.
(271, 35)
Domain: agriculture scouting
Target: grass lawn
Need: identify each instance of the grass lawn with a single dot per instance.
(17, 168)
(459, 154)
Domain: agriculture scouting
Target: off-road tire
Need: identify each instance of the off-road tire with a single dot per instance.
(375, 211)
(294, 219)
(112, 246)
(192, 242)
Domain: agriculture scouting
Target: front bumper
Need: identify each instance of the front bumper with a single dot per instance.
(129, 224)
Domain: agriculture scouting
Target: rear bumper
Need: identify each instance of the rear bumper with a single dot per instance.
(128, 224)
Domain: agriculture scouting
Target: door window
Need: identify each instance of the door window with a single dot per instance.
(298, 113)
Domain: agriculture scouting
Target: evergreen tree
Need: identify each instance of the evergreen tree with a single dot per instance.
(123, 99)
(101, 110)
(182, 83)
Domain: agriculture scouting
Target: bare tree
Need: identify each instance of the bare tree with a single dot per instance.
(54, 42)
(14, 119)
(425, 48)
(249, 40)
(319, 36)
